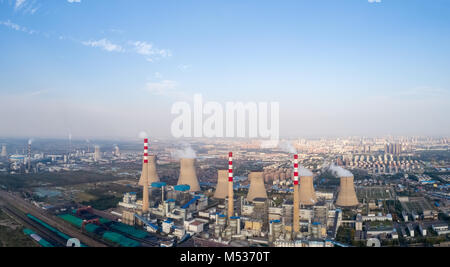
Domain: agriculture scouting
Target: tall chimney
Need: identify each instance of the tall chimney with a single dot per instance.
(347, 194)
(152, 175)
(188, 175)
(145, 203)
(29, 156)
(230, 186)
(4, 153)
(296, 219)
(222, 183)
(257, 188)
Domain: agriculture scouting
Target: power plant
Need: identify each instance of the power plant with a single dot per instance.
(257, 188)
(347, 194)
(296, 219)
(230, 186)
(307, 193)
(152, 175)
(144, 177)
(222, 184)
(188, 175)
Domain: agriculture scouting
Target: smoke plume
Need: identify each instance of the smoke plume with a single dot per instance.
(186, 153)
(143, 135)
(302, 171)
(339, 171)
(286, 146)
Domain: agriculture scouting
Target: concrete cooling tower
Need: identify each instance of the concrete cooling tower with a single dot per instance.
(152, 174)
(347, 194)
(307, 193)
(222, 185)
(257, 188)
(188, 175)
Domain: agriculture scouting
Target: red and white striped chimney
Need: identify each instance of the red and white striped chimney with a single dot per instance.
(230, 186)
(230, 167)
(295, 169)
(296, 218)
(146, 151)
(145, 193)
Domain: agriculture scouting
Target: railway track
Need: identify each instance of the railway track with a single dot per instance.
(39, 229)
(25, 207)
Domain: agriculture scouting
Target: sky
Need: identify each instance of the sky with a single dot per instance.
(113, 68)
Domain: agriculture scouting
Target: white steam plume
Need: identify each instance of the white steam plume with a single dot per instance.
(338, 171)
(186, 153)
(286, 146)
(302, 171)
(143, 135)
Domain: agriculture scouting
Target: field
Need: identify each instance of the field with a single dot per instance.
(11, 234)
(417, 204)
(374, 193)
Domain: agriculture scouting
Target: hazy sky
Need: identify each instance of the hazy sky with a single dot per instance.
(111, 68)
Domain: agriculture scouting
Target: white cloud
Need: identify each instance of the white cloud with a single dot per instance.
(105, 45)
(184, 68)
(19, 4)
(165, 88)
(74, 1)
(148, 50)
(162, 87)
(374, 1)
(16, 27)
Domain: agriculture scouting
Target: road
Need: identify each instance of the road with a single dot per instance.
(25, 207)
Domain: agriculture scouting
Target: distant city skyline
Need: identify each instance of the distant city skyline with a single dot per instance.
(110, 69)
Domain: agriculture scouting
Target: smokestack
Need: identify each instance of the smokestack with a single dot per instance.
(307, 193)
(222, 183)
(97, 155)
(145, 203)
(230, 186)
(4, 153)
(29, 156)
(152, 175)
(188, 175)
(347, 194)
(296, 219)
(257, 188)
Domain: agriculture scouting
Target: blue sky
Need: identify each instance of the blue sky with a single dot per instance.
(110, 68)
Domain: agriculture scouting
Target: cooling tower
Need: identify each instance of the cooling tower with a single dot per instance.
(307, 193)
(188, 175)
(257, 188)
(347, 194)
(152, 174)
(222, 184)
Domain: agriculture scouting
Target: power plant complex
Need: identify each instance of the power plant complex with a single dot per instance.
(222, 218)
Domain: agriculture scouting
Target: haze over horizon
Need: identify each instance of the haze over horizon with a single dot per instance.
(110, 69)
